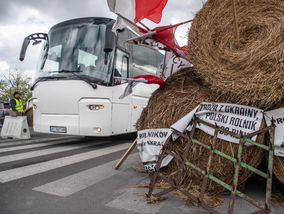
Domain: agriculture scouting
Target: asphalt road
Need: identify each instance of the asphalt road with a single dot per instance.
(69, 174)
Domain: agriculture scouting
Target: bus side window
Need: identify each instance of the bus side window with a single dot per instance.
(145, 60)
(121, 67)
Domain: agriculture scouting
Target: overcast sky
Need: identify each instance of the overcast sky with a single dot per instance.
(20, 18)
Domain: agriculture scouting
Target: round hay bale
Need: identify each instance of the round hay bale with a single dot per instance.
(29, 113)
(253, 74)
(278, 168)
(182, 93)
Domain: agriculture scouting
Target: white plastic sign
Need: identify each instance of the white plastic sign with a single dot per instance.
(278, 119)
(149, 143)
(232, 117)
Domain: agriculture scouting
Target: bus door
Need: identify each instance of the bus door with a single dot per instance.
(121, 107)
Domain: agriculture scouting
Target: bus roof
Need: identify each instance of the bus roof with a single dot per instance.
(85, 19)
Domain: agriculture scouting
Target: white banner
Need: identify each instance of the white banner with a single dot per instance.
(171, 64)
(278, 118)
(149, 143)
(232, 117)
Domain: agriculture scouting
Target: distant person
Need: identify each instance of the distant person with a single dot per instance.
(116, 74)
(16, 103)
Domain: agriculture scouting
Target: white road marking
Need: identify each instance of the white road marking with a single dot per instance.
(21, 172)
(23, 142)
(74, 183)
(31, 146)
(21, 156)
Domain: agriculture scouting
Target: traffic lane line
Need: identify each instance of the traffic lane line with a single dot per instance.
(21, 172)
(67, 186)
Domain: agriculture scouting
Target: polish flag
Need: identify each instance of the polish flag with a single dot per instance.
(166, 36)
(136, 10)
(132, 82)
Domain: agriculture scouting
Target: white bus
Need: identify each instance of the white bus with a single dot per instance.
(74, 89)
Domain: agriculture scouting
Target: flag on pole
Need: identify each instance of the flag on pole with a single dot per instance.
(132, 11)
(165, 35)
(132, 82)
(136, 10)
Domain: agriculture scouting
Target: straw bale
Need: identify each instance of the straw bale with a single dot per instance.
(221, 168)
(252, 75)
(182, 93)
(29, 113)
(278, 168)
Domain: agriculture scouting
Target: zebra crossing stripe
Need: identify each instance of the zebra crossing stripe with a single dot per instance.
(21, 172)
(11, 142)
(67, 186)
(57, 149)
(31, 146)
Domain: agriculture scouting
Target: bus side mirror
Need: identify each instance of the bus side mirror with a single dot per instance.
(36, 37)
(109, 37)
(24, 48)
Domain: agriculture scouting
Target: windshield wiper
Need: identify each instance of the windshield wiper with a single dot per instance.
(94, 85)
(40, 79)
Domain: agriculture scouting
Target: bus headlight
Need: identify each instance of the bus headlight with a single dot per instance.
(96, 107)
(99, 129)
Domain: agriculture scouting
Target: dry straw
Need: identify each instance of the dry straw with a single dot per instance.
(253, 74)
(182, 93)
(278, 168)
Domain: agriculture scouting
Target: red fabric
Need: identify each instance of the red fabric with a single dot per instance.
(151, 79)
(166, 36)
(150, 9)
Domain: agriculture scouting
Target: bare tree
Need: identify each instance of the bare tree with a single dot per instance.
(15, 80)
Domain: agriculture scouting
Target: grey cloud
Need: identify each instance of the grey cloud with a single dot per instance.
(55, 11)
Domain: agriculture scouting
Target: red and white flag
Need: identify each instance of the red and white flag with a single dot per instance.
(166, 36)
(136, 10)
(132, 82)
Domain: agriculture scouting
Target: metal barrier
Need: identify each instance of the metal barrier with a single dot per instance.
(233, 188)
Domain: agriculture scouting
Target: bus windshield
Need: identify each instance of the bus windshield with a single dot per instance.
(76, 48)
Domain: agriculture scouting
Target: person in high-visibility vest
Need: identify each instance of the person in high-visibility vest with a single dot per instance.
(16, 103)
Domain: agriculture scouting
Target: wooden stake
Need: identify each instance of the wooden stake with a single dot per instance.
(236, 24)
(126, 154)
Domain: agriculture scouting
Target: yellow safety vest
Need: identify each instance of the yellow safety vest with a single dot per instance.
(19, 105)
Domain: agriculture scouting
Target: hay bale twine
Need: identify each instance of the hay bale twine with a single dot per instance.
(182, 93)
(252, 75)
(29, 113)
